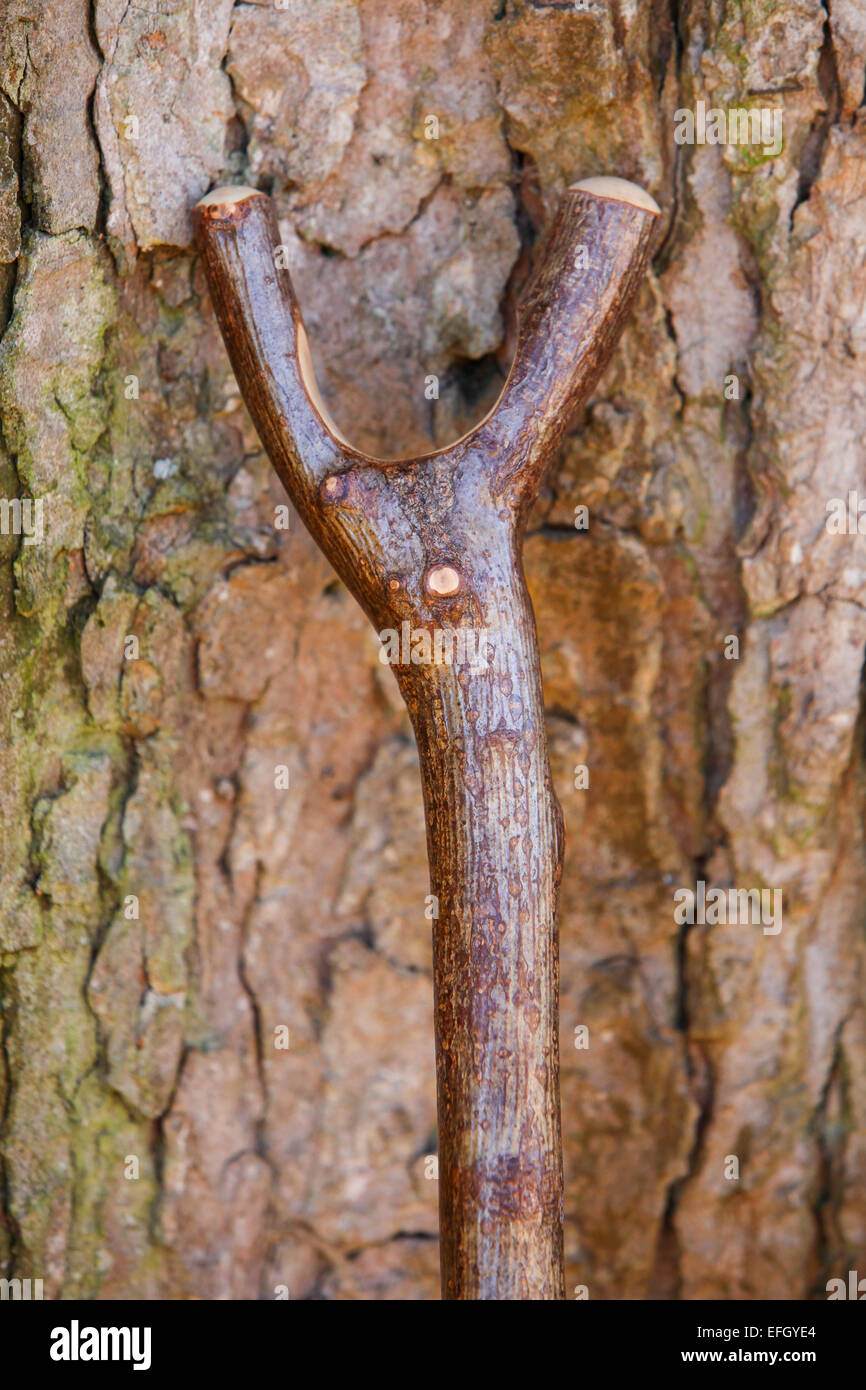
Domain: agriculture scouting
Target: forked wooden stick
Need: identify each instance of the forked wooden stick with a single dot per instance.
(436, 542)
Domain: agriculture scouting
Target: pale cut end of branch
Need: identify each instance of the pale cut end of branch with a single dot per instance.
(620, 190)
(443, 580)
(228, 194)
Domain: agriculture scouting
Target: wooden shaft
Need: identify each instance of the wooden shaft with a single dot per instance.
(495, 846)
(431, 549)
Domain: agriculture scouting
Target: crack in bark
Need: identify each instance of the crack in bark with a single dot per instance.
(258, 1034)
(667, 1275)
(7, 1217)
(827, 1202)
(812, 154)
(101, 219)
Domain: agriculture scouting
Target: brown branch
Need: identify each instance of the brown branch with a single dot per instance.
(570, 319)
(434, 543)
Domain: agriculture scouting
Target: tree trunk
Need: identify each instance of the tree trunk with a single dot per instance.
(216, 973)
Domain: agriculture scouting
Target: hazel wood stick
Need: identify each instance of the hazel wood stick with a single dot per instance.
(436, 541)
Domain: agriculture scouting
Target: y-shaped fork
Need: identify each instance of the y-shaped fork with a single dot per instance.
(435, 543)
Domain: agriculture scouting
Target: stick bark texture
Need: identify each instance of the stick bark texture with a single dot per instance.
(435, 542)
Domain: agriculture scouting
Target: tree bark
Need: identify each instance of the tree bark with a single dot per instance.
(216, 979)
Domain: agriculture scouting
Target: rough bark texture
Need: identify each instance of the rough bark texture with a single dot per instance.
(168, 905)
